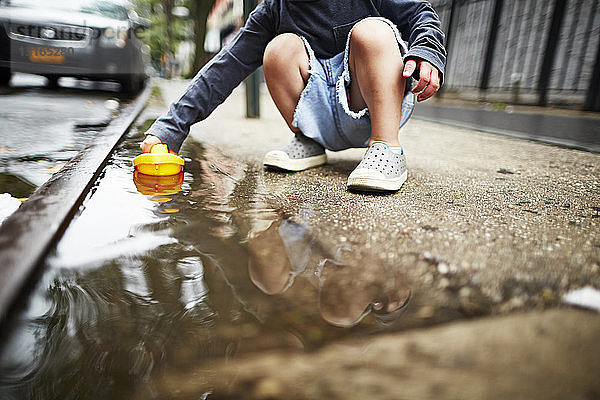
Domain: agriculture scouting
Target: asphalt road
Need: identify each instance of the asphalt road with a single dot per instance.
(42, 128)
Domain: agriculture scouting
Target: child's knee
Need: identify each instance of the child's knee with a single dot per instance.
(372, 34)
(282, 49)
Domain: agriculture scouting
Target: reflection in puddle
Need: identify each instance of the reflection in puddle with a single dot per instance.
(159, 188)
(158, 275)
(158, 185)
(347, 291)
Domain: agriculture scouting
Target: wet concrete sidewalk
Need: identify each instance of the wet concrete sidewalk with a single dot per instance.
(484, 226)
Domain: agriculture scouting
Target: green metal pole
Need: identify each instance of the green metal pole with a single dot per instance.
(252, 83)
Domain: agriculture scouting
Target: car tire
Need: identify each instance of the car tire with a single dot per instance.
(52, 81)
(5, 76)
(132, 84)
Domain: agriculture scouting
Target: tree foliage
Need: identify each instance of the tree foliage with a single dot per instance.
(199, 13)
(167, 32)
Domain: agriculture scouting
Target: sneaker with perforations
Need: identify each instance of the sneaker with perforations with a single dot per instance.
(381, 169)
(300, 154)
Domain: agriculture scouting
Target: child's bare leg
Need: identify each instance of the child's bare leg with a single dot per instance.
(376, 78)
(286, 65)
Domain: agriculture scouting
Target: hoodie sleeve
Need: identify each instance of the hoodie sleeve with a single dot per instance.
(420, 27)
(217, 79)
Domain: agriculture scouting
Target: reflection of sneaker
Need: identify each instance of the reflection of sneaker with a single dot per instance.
(380, 169)
(301, 153)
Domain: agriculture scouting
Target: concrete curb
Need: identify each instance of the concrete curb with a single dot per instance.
(483, 125)
(28, 234)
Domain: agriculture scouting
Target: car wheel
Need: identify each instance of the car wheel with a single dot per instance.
(52, 81)
(132, 84)
(5, 76)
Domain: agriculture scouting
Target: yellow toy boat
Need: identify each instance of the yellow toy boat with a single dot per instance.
(159, 162)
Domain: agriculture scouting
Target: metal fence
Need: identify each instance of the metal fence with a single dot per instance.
(530, 51)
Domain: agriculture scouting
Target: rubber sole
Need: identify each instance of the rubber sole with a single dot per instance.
(280, 160)
(368, 180)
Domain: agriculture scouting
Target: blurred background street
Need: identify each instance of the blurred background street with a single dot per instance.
(44, 128)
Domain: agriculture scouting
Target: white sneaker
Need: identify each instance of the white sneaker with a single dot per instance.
(300, 154)
(380, 170)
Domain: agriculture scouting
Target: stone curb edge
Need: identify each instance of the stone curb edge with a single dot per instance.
(28, 234)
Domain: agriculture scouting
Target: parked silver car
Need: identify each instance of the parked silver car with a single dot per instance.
(92, 39)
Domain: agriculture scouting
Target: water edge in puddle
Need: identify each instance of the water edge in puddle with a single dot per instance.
(149, 280)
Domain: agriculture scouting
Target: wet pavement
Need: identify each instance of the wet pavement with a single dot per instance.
(157, 274)
(42, 127)
(574, 131)
(29, 233)
(211, 282)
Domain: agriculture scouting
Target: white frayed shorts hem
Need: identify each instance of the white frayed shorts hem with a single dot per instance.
(323, 113)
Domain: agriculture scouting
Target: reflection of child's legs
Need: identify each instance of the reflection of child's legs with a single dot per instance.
(376, 78)
(285, 65)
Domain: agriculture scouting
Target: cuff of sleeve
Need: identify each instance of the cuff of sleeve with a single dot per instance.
(171, 139)
(429, 56)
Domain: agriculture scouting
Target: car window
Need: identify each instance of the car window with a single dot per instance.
(105, 8)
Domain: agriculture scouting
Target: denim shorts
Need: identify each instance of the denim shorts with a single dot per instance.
(323, 114)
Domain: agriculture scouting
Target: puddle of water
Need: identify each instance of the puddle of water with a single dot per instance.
(156, 276)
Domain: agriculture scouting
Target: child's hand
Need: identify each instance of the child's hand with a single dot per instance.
(150, 141)
(429, 78)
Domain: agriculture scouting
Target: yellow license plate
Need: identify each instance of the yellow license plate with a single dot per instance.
(50, 55)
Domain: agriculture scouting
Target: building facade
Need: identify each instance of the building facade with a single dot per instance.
(523, 51)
